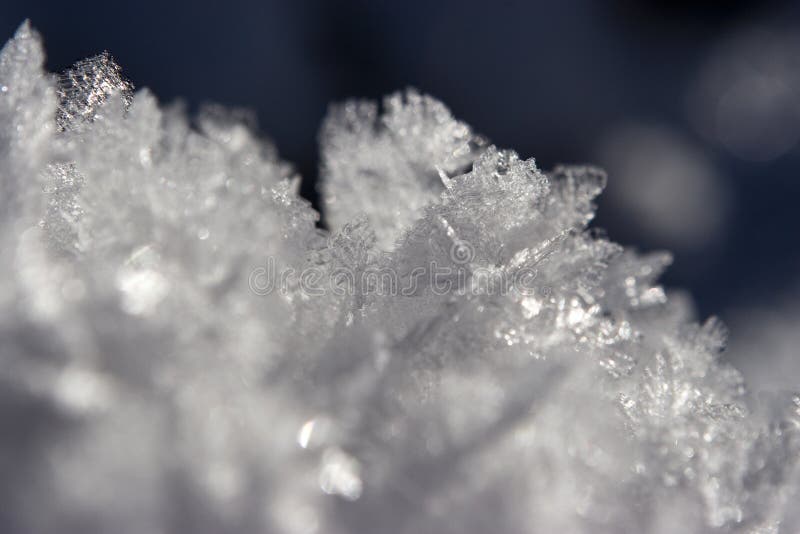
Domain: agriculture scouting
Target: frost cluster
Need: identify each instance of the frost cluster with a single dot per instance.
(183, 350)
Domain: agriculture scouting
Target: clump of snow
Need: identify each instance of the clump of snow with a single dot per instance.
(183, 350)
(389, 167)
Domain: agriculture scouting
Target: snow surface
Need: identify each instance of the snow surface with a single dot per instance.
(183, 350)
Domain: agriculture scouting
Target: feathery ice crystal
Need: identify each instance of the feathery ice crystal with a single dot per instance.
(502, 370)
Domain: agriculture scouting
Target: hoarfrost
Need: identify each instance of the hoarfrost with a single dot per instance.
(171, 360)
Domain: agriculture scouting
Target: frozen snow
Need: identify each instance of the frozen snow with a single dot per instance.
(459, 354)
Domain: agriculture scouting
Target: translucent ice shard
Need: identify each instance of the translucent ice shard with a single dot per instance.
(86, 85)
(182, 350)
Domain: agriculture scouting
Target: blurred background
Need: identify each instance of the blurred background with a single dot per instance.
(693, 107)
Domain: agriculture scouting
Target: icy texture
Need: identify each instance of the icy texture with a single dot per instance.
(391, 167)
(86, 86)
(151, 379)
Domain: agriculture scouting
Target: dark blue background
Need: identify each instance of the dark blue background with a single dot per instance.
(546, 79)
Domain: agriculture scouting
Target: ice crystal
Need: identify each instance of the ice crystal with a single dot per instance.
(406, 153)
(183, 350)
(83, 88)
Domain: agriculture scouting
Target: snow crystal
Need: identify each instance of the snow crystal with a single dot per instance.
(83, 88)
(392, 166)
(183, 350)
